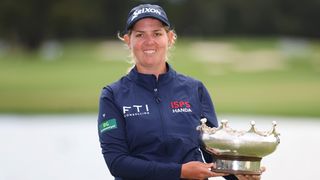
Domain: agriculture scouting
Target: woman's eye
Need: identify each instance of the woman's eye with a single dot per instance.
(138, 35)
(158, 34)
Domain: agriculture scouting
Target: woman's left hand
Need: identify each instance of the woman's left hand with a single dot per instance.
(251, 177)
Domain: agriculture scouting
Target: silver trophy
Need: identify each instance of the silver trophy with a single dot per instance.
(238, 152)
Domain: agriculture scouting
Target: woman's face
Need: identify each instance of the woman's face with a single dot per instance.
(149, 42)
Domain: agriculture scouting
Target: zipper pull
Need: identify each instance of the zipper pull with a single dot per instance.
(158, 100)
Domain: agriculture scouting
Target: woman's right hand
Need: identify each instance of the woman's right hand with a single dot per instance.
(198, 170)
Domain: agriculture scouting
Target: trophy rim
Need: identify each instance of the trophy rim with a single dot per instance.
(236, 172)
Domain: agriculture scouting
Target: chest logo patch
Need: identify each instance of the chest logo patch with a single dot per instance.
(135, 110)
(180, 106)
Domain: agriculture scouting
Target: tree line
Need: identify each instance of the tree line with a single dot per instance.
(30, 22)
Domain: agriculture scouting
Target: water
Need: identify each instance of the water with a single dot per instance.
(51, 148)
(58, 147)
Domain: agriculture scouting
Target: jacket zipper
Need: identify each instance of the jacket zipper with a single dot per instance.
(158, 101)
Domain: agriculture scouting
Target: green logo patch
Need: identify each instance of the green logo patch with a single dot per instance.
(108, 125)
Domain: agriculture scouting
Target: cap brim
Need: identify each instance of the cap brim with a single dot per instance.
(146, 16)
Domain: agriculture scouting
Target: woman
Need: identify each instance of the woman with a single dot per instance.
(147, 120)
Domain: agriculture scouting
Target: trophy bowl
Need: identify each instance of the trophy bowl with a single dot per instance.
(238, 152)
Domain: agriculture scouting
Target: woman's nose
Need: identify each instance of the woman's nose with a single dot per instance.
(149, 40)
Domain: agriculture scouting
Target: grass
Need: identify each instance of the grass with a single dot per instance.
(244, 76)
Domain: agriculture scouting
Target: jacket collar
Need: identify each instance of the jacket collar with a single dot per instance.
(150, 81)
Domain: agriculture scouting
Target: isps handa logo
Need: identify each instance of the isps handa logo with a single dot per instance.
(180, 106)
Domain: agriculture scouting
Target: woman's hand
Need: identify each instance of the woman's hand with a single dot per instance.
(251, 177)
(198, 170)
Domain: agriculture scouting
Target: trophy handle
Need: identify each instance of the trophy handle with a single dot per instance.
(212, 151)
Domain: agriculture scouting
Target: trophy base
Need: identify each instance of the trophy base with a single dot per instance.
(237, 167)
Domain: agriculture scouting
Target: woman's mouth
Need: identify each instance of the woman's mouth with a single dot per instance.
(150, 51)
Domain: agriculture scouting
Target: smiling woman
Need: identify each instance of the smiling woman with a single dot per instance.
(148, 120)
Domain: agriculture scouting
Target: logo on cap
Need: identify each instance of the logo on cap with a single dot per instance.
(145, 10)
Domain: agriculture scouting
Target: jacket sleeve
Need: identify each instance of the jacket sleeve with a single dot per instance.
(207, 108)
(115, 149)
(208, 112)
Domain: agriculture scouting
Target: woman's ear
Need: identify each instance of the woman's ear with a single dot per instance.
(171, 38)
(126, 39)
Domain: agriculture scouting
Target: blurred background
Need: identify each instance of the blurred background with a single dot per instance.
(260, 60)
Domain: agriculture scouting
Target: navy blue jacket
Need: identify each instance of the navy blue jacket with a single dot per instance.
(147, 127)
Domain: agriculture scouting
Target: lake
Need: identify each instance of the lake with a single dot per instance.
(66, 147)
